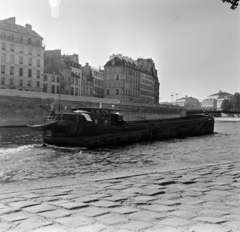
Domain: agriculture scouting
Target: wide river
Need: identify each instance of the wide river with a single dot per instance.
(23, 158)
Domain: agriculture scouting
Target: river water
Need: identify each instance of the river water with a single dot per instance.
(23, 158)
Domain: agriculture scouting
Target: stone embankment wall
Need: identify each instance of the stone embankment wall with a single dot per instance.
(19, 108)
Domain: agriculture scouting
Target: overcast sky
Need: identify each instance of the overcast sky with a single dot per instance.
(195, 44)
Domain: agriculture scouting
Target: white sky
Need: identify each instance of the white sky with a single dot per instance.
(195, 44)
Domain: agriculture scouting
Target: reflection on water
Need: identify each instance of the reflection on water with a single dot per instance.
(22, 156)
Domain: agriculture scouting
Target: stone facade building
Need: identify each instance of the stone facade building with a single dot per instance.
(189, 102)
(93, 84)
(131, 81)
(22, 57)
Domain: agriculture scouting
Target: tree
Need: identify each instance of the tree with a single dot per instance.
(233, 2)
(232, 103)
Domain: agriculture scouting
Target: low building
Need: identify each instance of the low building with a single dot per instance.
(188, 102)
(214, 101)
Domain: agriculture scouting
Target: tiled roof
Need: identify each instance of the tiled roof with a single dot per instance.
(17, 28)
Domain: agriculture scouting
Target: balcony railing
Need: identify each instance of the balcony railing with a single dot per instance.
(22, 41)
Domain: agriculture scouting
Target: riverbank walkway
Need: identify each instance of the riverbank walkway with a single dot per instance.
(200, 199)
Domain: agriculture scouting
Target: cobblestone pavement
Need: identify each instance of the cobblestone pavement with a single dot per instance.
(199, 199)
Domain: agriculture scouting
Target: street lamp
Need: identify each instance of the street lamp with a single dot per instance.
(172, 97)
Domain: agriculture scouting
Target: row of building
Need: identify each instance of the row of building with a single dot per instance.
(27, 66)
(212, 102)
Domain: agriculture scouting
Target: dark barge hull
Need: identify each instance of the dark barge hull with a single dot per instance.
(195, 125)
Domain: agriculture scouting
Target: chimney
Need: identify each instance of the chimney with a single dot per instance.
(86, 64)
(28, 27)
(11, 20)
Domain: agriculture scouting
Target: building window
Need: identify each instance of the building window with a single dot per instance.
(53, 78)
(72, 91)
(12, 37)
(29, 40)
(38, 73)
(3, 46)
(20, 38)
(38, 84)
(45, 88)
(20, 72)
(12, 47)
(3, 35)
(11, 81)
(117, 77)
(29, 83)
(38, 52)
(117, 91)
(20, 82)
(57, 78)
(12, 58)
(3, 57)
(21, 49)
(30, 51)
(20, 60)
(53, 89)
(2, 69)
(58, 91)
(2, 80)
(29, 61)
(38, 63)
(11, 70)
(45, 77)
(29, 72)
(108, 92)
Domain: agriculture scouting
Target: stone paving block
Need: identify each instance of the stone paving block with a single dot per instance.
(151, 192)
(7, 201)
(92, 211)
(224, 188)
(170, 196)
(74, 221)
(53, 228)
(143, 198)
(165, 182)
(110, 219)
(30, 195)
(32, 223)
(46, 199)
(91, 228)
(213, 220)
(199, 189)
(183, 214)
(4, 226)
(15, 217)
(73, 205)
(66, 197)
(216, 205)
(132, 190)
(57, 203)
(147, 215)
(191, 193)
(119, 187)
(167, 202)
(212, 198)
(194, 202)
(40, 208)
(136, 225)
(116, 198)
(219, 193)
(2, 206)
(158, 208)
(124, 210)
(161, 228)
(106, 204)
(232, 217)
(8, 210)
(63, 190)
(98, 195)
(175, 222)
(214, 213)
(154, 186)
(208, 228)
(192, 208)
(23, 204)
(55, 214)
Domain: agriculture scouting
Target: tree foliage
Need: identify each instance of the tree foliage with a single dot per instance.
(234, 3)
(232, 104)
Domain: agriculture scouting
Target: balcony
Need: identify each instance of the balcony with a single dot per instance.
(22, 41)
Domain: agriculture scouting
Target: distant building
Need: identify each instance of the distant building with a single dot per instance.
(22, 53)
(131, 81)
(189, 102)
(214, 101)
(93, 83)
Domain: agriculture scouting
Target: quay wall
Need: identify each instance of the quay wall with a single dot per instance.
(18, 108)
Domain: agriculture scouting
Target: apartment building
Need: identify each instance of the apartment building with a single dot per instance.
(131, 81)
(93, 81)
(22, 57)
(62, 75)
